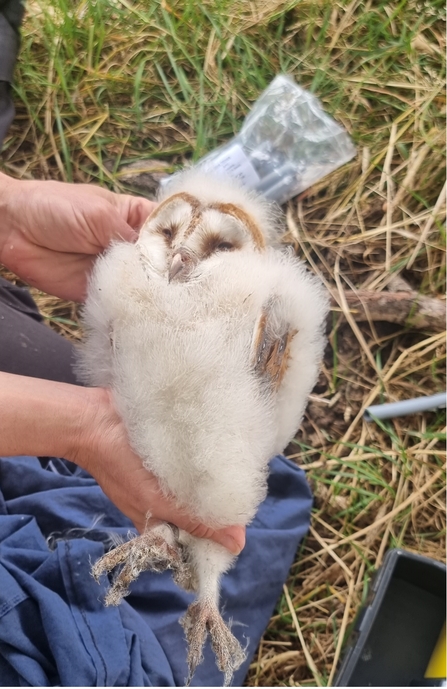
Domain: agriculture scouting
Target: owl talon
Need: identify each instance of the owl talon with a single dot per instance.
(110, 560)
(150, 551)
(200, 618)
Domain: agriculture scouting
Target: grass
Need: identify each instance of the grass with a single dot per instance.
(103, 84)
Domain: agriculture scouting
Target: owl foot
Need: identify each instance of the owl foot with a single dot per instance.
(186, 577)
(200, 618)
(150, 551)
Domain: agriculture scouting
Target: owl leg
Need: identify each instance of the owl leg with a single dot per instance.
(156, 549)
(201, 618)
(209, 560)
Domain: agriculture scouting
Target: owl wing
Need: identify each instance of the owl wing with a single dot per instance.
(272, 339)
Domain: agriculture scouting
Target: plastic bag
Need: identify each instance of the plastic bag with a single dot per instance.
(287, 142)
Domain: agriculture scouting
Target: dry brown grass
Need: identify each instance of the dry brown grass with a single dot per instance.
(378, 68)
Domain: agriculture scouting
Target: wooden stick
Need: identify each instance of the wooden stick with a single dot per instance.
(405, 308)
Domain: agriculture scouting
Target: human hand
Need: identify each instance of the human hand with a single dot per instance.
(102, 448)
(51, 232)
(51, 419)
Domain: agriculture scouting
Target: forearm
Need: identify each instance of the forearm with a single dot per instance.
(40, 417)
(7, 186)
(48, 419)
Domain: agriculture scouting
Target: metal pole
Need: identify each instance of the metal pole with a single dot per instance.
(413, 406)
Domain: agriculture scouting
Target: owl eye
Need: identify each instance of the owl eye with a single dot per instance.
(166, 232)
(224, 246)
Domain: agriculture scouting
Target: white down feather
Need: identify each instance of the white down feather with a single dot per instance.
(177, 356)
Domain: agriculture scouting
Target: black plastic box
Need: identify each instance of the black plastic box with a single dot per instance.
(396, 631)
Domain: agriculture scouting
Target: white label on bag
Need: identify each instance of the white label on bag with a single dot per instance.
(235, 163)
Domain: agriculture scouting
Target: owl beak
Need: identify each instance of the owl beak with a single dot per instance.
(178, 264)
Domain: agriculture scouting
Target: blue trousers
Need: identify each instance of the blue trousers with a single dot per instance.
(54, 628)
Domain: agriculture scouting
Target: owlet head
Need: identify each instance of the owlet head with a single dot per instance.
(202, 218)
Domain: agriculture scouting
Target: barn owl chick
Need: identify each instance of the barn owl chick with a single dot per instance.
(210, 340)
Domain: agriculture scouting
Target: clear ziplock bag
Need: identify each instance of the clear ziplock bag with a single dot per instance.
(287, 142)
